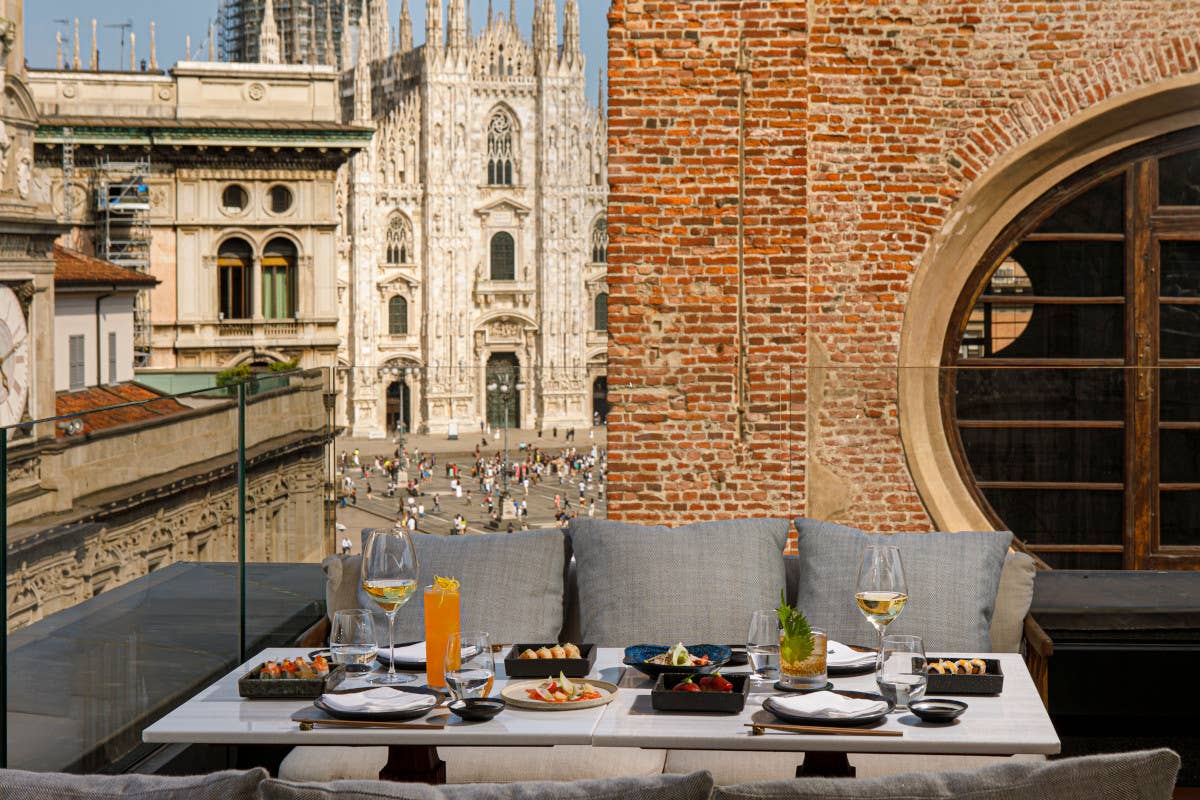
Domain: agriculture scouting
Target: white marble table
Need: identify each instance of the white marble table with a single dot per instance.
(1013, 722)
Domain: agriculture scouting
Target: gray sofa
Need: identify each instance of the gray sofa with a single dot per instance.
(603, 582)
(1148, 775)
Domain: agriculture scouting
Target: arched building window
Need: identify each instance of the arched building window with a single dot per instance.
(235, 260)
(504, 257)
(600, 241)
(398, 316)
(279, 279)
(500, 150)
(1070, 386)
(600, 312)
(399, 240)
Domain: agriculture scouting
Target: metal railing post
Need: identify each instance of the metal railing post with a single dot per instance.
(241, 520)
(4, 598)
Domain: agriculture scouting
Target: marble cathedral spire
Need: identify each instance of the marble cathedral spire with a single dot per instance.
(545, 31)
(362, 69)
(490, 16)
(457, 25)
(433, 25)
(345, 44)
(512, 13)
(571, 30)
(406, 35)
(329, 56)
(76, 61)
(268, 35)
(381, 30)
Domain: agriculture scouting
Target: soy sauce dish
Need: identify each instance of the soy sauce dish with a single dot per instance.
(938, 710)
(477, 709)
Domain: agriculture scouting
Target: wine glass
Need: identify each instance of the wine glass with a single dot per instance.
(881, 590)
(470, 667)
(352, 640)
(389, 576)
(762, 645)
(902, 677)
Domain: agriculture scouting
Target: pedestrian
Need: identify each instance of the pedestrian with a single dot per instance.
(368, 490)
(437, 505)
(421, 511)
(354, 496)
(412, 524)
(558, 502)
(510, 528)
(457, 489)
(592, 509)
(346, 545)
(581, 488)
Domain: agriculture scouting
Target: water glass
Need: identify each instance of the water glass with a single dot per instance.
(900, 673)
(352, 639)
(470, 667)
(762, 645)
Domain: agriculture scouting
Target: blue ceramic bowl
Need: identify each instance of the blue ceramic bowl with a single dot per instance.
(636, 657)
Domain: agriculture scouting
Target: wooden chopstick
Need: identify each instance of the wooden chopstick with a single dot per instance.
(758, 728)
(307, 724)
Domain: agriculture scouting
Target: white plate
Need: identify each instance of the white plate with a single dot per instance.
(514, 694)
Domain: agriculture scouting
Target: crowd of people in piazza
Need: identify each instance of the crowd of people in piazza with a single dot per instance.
(502, 490)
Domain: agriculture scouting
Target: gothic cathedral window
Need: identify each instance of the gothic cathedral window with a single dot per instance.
(600, 312)
(500, 150)
(600, 242)
(399, 240)
(504, 257)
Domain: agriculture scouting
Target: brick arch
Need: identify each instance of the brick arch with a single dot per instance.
(1069, 94)
(1007, 177)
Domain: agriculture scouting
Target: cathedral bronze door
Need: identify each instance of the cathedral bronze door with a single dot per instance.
(503, 392)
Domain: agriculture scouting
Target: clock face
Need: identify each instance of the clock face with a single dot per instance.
(14, 359)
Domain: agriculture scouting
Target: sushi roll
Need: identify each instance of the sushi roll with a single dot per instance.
(529, 653)
(320, 666)
(290, 668)
(544, 652)
(962, 667)
(937, 668)
(978, 666)
(270, 671)
(572, 651)
(558, 652)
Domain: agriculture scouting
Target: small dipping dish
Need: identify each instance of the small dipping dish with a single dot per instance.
(477, 709)
(938, 710)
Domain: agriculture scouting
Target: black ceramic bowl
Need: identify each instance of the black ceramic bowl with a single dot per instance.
(636, 657)
(938, 709)
(477, 709)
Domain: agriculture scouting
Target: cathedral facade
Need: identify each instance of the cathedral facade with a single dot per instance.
(472, 248)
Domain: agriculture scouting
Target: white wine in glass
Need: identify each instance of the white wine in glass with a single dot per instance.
(389, 576)
(881, 590)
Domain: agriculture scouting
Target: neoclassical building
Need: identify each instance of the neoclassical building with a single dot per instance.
(473, 238)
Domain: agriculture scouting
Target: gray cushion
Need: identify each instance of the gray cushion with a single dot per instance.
(230, 785)
(697, 786)
(699, 583)
(1147, 775)
(952, 582)
(512, 585)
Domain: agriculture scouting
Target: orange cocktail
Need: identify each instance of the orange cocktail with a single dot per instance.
(441, 620)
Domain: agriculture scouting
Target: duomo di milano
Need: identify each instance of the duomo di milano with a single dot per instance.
(473, 238)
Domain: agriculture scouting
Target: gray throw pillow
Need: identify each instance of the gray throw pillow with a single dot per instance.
(512, 585)
(1146, 775)
(696, 786)
(952, 582)
(17, 784)
(698, 583)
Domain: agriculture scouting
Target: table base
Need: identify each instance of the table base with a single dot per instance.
(413, 764)
(825, 765)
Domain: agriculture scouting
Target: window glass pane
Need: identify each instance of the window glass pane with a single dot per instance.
(1180, 268)
(1179, 394)
(503, 258)
(1098, 210)
(1051, 394)
(1049, 331)
(1179, 514)
(1041, 516)
(1062, 269)
(1179, 456)
(1179, 179)
(1092, 561)
(1029, 454)
(1179, 331)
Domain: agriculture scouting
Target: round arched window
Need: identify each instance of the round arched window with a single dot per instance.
(234, 199)
(1072, 387)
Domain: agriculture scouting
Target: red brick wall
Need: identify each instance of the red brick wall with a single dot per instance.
(865, 122)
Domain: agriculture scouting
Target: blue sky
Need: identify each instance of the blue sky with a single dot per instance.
(176, 20)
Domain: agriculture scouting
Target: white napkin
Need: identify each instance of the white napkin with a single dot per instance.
(829, 705)
(378, 701)
(839, 655)
(413, 654)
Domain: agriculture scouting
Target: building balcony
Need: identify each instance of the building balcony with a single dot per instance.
(257, 332)
(513, 293)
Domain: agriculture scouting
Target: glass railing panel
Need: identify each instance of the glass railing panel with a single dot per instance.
(121, 567)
